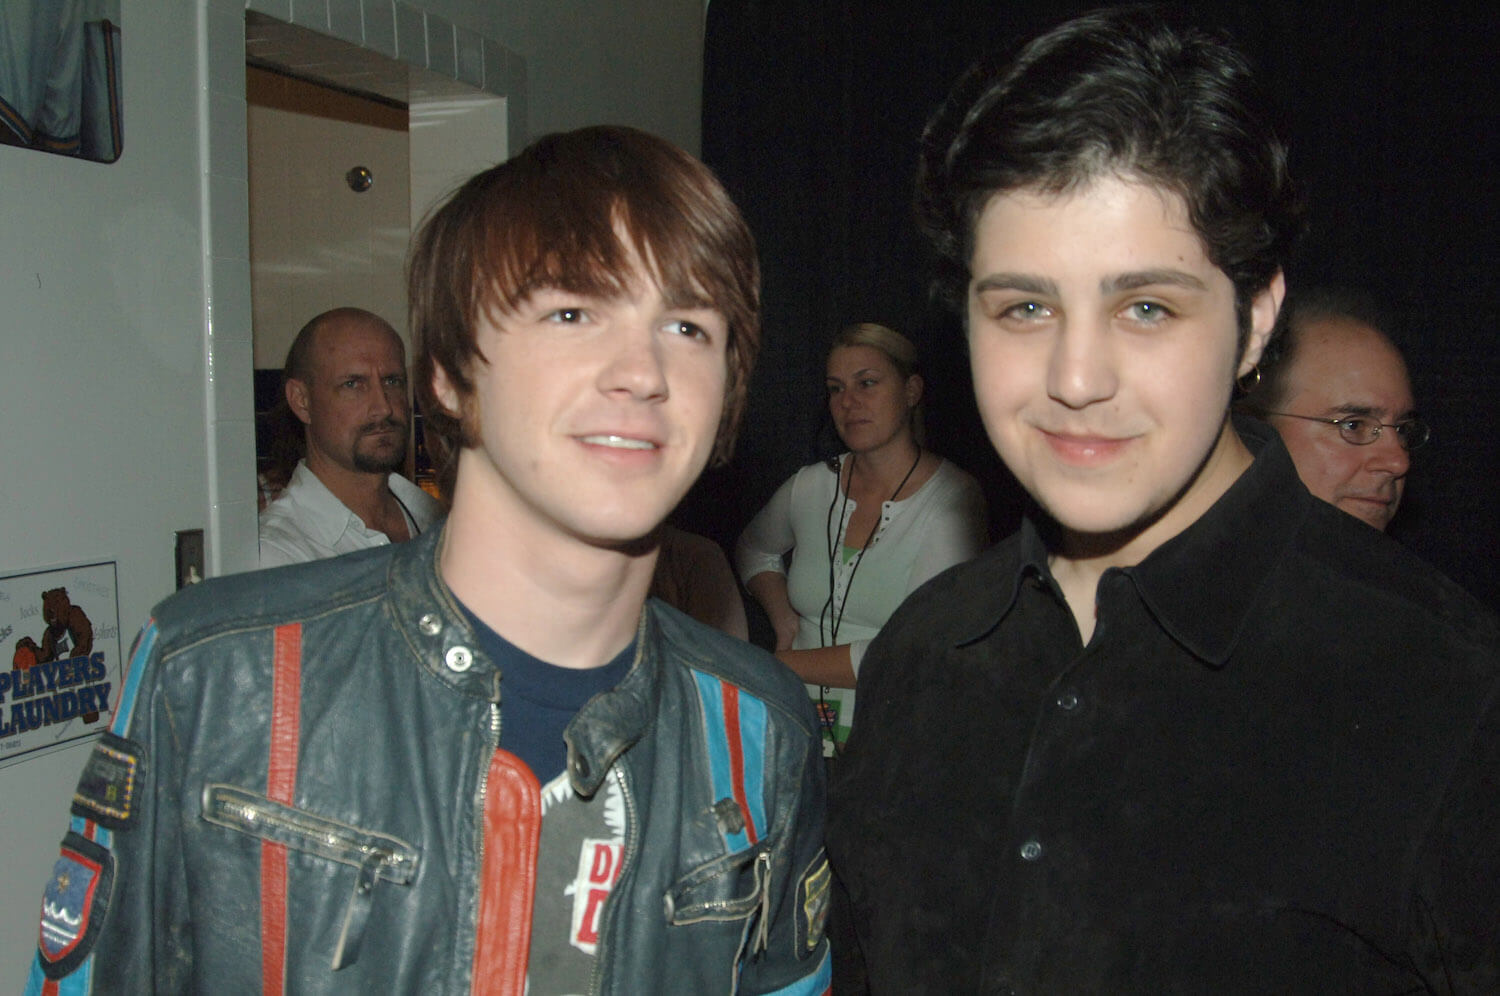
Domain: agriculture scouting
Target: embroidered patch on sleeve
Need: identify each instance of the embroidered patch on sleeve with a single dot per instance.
(74, 904)
(813, 895)
(107, 789)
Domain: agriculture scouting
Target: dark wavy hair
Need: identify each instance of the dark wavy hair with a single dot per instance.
(552, 217)
(1132, 91)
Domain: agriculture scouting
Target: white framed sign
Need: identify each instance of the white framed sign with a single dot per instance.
(62, 668)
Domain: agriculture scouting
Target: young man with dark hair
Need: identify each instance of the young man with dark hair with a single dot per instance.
(482, 761)
(1191, 729)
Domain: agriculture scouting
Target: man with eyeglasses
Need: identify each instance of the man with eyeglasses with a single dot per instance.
(1336, 388)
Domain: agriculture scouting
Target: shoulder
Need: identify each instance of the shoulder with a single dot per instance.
(955, 605)
(709, 654)
(956, 477)
(952, 485)
(1367, 576)
(693, 549)
(268, 598)
(818, 476)
(285, 537)
(304, 523)
(425, 508)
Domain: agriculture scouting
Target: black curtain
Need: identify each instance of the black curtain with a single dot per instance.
(811, 114)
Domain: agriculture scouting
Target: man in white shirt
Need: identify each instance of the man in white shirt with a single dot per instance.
(346, 383)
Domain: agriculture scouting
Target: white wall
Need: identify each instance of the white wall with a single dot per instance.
(126, 380)
(105, 384)
(316, 244)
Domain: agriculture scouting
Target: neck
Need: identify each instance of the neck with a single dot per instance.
(885, 468)
(559, 598)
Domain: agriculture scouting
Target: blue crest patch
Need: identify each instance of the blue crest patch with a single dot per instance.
(74, 904)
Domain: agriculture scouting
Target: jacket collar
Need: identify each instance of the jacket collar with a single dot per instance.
(1201, 585)
(610, 723)
(433, 625)
(428, 616)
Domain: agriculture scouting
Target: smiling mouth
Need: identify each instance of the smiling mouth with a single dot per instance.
(618, 442)
(1083, 448)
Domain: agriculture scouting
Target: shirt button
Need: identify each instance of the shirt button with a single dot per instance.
(430, 625)
(1031, 850)
(1067, 701)
(459, 659)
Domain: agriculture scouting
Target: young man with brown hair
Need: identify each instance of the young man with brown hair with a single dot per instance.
(482, 761)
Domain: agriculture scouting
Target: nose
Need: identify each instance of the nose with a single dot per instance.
(395, 400)
(382, 401)
(1081, 370)
(635, 366)
(1386, 455)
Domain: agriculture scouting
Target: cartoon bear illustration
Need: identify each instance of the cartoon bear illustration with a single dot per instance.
(68, 634)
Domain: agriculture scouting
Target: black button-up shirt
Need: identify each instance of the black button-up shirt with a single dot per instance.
(1274, 767)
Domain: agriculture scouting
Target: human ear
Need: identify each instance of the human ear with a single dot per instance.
(914, 388)
(1264, 308)
(297, 400)
(445, 392)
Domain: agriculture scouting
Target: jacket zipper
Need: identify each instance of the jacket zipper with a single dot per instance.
(484, 786)
(627, 855)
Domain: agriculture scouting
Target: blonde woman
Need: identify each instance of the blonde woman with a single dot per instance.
(842, 543)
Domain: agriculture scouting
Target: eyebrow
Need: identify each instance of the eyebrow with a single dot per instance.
(1134, 280)
(1024, 282)
(856, 375)
(1151, 278)
(1369, 411)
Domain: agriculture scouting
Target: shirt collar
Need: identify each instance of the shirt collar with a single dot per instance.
(1201, 584)
(327, 518)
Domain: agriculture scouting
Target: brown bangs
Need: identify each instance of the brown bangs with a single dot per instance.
(575, 212)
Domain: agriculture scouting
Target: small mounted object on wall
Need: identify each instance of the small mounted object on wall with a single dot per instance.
(189, 557)
(360, 179)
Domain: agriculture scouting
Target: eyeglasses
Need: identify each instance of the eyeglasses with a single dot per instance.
(1361, 430)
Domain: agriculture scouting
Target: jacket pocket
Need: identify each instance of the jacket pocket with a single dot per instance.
(729, 888)
(374, 856)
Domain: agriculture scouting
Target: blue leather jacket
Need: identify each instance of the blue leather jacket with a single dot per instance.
(301, 790)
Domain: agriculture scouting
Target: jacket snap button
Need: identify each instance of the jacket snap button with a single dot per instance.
(430, 625)
(1067, 702)
(459, 659)
(1031, 850)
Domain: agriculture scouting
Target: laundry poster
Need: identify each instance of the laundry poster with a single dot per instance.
(60, 662)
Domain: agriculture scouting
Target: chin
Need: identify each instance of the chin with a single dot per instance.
(380, 461)
(1373, 520)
